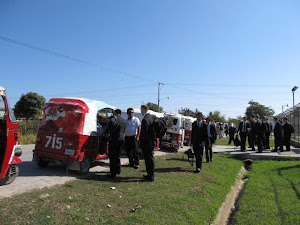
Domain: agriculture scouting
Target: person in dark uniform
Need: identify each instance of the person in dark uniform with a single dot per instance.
(278, 135)
(268, 129)
(231, 131)
(147, 142)
(211, 130)
(259, 133)
(243, 131)
(199, 140)
(287, 133)
(251, 133)
(115, 136)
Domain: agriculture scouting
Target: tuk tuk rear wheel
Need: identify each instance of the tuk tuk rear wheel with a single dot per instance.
(42, 163)
(85, 165)
(11, 175)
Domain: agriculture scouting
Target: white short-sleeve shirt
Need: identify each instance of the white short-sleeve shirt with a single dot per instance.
(132, 126)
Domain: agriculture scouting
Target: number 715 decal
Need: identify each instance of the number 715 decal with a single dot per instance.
(56, 142)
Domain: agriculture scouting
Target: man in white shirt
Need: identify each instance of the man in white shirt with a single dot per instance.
(132, 135)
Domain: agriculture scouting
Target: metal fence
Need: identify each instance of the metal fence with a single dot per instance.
(293, 115)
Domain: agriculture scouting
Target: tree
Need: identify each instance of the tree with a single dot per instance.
(234, 121)
(216, 115)
(154, 107)
(29, 105)
(256, 108)
(189, 112)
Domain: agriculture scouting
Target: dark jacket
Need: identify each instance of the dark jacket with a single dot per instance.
(147, 136)
(116, 128)
(278, 130)
(232, 131)
(199, 134)
(240, 129)
(287, 129)
(259, 128)
(268, 128)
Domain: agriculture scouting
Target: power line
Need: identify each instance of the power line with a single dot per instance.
(75, 59)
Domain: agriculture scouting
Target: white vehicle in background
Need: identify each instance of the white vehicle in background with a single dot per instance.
(188, 130)
(138, 114)
(174, 137)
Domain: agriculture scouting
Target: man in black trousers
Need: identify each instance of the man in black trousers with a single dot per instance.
(259, 133)
(243, 131)
(211, 131)
(115, 136)
(278, 135)
(251, 133)
(268, 129)
(199, 140)
(287, 133)
(147, 142)
(231, 131)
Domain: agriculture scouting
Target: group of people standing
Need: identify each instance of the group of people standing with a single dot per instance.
(258, 132)
(132, 134)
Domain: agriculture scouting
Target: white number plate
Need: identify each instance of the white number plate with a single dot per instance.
(69, 152)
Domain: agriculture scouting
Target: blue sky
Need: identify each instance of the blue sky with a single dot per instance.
(211, 55)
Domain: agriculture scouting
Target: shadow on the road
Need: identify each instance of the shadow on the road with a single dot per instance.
(30, 169)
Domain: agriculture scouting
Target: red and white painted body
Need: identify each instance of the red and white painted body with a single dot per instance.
(174, 136)
(68, 133)
(9, 150)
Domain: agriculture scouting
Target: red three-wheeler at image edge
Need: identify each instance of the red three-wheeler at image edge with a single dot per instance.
(9, 134)
(71, 132)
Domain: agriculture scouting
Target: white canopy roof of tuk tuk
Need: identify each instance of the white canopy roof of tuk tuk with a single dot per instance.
(90, 123)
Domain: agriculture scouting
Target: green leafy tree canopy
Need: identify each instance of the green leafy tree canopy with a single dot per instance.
(216, 115)
(30, 105)
(154, 107)
(189, 112)
(256, 108)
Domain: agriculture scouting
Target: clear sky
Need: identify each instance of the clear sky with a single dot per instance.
(211, 55)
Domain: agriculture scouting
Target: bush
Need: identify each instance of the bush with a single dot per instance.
(27, 139)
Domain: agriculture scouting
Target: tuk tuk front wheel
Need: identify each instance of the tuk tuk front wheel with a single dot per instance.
(11, 175)
(85, 165)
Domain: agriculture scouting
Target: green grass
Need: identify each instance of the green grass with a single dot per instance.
(178, 196)
(272, 194)
(225, 140)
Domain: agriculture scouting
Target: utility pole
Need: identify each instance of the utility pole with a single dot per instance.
(158, 98)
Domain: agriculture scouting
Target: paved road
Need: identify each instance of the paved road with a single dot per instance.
(32, 176)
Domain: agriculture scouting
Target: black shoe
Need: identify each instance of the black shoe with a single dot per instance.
(274, 150)
(148, 179)
(281, 150)
(211, 160)
(198, 170)
(207, 161)
(288, 150)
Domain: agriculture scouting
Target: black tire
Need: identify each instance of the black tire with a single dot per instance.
(42, 163)
(10, 176)
(85, 166)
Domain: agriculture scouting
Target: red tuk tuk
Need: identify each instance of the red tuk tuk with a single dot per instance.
(9, 134)
(71, 132)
